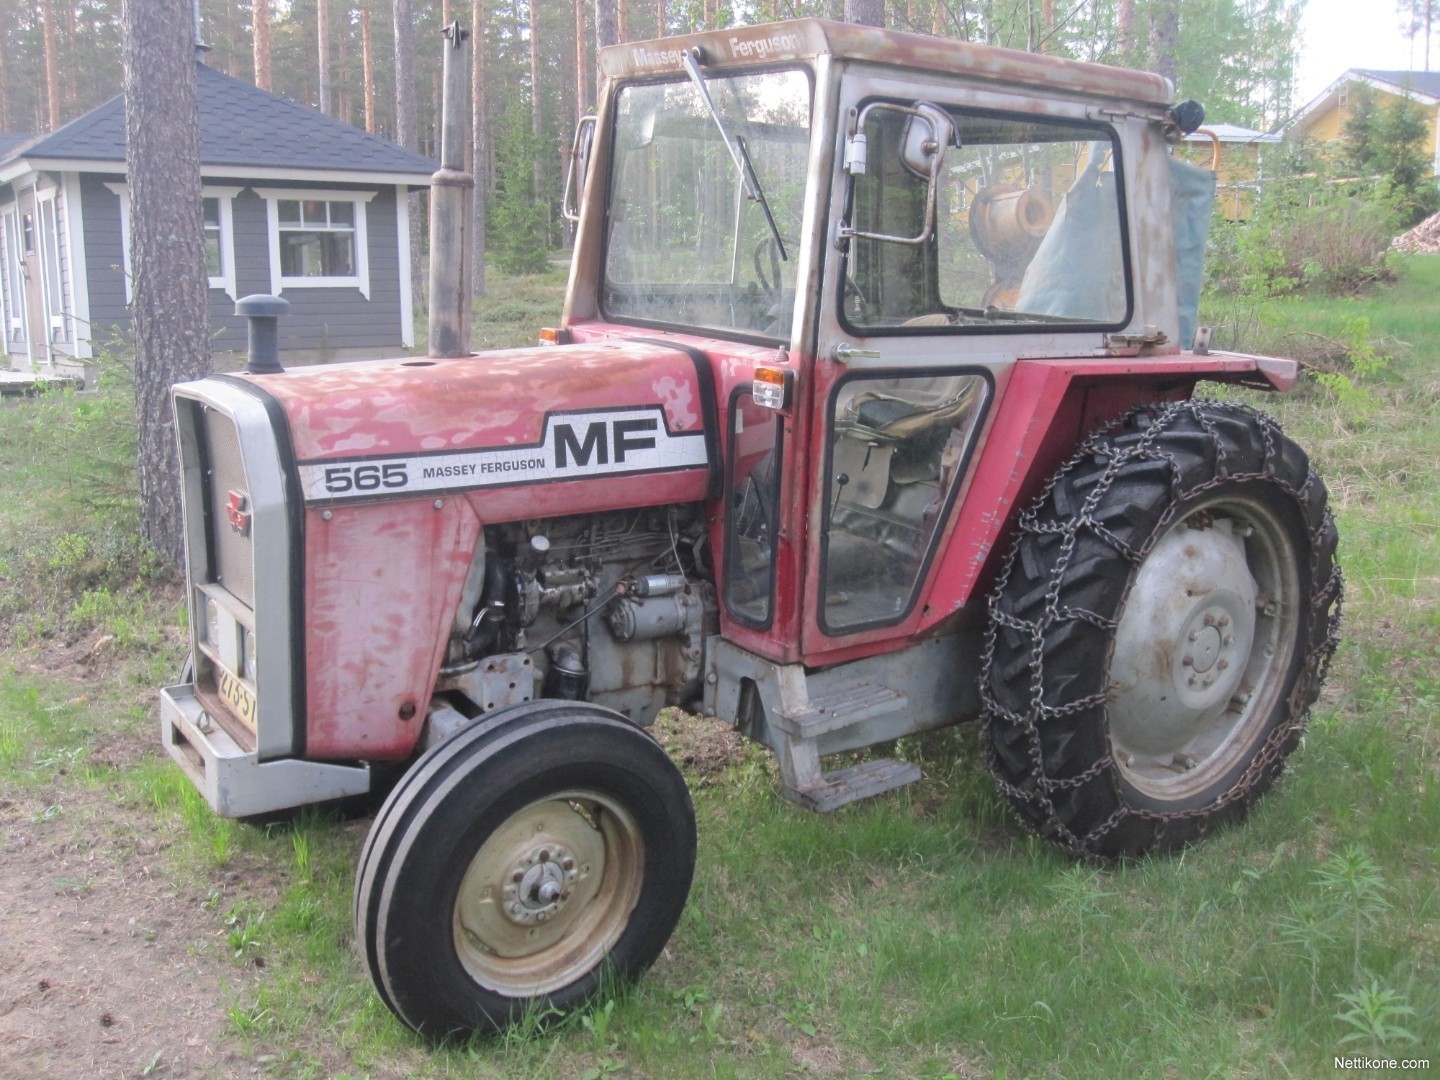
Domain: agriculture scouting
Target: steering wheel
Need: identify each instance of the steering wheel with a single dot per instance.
(767, 251)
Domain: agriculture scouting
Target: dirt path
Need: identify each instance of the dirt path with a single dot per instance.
(107, 969)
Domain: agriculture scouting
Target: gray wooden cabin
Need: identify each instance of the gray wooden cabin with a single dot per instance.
(296, 204)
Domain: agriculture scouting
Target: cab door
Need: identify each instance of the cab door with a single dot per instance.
(970, 229)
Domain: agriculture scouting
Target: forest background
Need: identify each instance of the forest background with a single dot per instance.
(376, 64)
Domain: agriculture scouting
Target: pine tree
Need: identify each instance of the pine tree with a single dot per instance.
(170, 298)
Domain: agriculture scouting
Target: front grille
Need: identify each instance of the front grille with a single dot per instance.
(233, 549)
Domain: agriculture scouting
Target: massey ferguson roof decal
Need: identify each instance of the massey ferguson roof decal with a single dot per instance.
(574, 446)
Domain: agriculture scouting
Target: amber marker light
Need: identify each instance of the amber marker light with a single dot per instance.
(551, 335)
(773, 387)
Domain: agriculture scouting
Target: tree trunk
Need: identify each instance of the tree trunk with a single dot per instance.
(660, 18)
(582, 80)
(537, 121)
(69, 92)
(232, 34)
(260, 22)
(167, 249)
(367, 60)
(322, 49)
(1125, 24)
(865, 12)
(480, 150)
(5, 69)
(622, 19)
(1164, 31)
(52, 66)
(606, 32)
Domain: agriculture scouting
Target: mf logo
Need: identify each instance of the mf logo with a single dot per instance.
(602, 442)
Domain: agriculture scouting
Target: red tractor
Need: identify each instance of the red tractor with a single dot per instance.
(862, 329)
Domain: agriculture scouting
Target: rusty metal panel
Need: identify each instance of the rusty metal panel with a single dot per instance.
(381, 585)
(810, 38)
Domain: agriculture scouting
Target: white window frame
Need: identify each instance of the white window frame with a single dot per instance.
(16, 326)
(223, 280)
(280, 282)
(52, 271)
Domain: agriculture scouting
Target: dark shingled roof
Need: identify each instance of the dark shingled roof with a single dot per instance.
(9, 143)
(1424, 82)
(240, 125)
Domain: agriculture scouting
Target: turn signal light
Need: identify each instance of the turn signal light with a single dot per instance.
(551, 335)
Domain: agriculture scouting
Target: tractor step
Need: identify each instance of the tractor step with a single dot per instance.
(842, 786)
(842, 706)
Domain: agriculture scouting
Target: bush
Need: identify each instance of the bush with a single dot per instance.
(1306, 233)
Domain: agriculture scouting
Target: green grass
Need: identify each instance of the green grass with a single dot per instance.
(924, 934)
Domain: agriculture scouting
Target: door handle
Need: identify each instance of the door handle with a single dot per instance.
(845, 352)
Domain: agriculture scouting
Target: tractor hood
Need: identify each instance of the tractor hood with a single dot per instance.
(539, 416)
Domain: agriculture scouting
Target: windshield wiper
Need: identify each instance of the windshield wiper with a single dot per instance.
(741, 156)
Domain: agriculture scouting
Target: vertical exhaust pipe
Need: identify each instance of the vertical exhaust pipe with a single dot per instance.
(451, 207)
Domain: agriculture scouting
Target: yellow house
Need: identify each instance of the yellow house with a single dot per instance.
(1237, 157)
(1323, 119)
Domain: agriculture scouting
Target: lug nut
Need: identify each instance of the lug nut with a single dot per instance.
(545, 855)
(1188, 661)
(518, 876)
(568, 864)
(1224, 620)
(1222, 663)
(1228, 642)
(1194, 637)
(1209, 620)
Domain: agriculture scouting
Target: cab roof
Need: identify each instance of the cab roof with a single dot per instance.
(807, 39)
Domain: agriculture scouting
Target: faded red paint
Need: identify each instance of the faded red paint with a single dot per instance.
(380, 407)
(1046, 409)
(382, 582)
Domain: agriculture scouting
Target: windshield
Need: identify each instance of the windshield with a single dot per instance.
(686, 245)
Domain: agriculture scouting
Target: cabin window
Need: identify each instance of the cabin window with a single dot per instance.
(52, 285)
(212, 237)
(217, 208)
(318, 239)
(12, 277)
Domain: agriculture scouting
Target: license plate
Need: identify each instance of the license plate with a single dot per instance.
(238, 697)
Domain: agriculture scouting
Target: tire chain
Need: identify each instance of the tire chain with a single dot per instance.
(1326, 604)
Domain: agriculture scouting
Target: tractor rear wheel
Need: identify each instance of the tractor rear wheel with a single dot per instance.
(1161, 626)
(518, 863)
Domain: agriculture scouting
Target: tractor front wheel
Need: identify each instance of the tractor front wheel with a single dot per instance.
(519, 863)
(1160, 629)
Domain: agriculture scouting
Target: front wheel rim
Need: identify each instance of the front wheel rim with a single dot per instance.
(1203, 649)
(549, 893)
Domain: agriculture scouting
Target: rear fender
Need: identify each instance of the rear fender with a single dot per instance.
(1046, 408)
